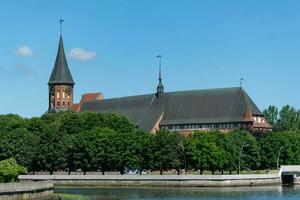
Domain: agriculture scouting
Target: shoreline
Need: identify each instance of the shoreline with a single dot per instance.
(27, 190)
(158, 180)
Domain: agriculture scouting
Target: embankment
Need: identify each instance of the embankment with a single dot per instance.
(26, 190)
(158, 180)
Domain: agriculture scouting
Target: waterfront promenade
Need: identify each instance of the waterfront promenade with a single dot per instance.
(28, 190)
(286, 175)
(159, 180)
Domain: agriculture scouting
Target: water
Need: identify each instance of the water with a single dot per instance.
(237, 193)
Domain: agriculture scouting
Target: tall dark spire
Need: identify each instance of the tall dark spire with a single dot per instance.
(61, 73)
(61, 83)
(160, 87)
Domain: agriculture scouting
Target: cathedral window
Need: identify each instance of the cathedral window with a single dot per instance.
(64, 95)
(57, 94)
(259, 120)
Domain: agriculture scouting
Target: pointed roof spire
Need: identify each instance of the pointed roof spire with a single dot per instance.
(61, 73)
(160, 87)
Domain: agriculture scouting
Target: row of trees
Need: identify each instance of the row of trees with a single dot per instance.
(286, 119)
(69, 141)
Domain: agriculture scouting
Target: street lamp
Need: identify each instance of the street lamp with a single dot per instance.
(279, 152)
(241, 151)
(183, 151)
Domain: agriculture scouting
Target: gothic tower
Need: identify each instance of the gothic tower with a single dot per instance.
(61, 82)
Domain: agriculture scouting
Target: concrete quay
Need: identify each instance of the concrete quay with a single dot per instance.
(28, 190)
(158, 180)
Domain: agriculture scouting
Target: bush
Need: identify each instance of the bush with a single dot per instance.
(9, 170)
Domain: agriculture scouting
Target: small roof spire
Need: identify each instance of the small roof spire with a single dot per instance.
(241, 82)
(160, 87)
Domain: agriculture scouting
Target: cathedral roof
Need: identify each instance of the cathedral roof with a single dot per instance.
(225, 105)
(61, 73)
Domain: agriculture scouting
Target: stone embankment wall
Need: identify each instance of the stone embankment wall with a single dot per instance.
(158, 180)
(297, 180)
(28, 190)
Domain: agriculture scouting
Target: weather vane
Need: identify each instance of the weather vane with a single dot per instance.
(241, 82)
(60, 23)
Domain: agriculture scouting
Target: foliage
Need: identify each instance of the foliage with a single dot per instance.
(51, 150)
(271, 114)
(164, 151)
(287, 119)
(9, 170)
(88, 141)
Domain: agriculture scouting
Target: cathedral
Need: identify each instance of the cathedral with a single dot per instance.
(224, 109)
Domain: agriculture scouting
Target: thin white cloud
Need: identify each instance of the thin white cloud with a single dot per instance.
(24, 51)
(81, 54)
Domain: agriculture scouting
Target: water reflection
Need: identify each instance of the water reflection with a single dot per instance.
(237, 193)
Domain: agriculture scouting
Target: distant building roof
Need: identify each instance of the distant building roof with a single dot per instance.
(86, 98)
(223, 105)
(61, 73)
(91, 97)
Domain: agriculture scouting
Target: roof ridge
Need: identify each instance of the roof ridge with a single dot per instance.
(173, 92)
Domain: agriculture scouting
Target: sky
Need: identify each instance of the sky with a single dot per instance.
(111, 47)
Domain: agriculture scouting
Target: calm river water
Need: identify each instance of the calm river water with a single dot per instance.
(238, 193)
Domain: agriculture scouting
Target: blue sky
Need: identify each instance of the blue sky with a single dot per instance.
(112, 47)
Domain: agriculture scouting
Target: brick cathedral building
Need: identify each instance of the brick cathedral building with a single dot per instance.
(184, 111)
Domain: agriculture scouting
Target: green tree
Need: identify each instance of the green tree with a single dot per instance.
(229, 150)
(288, 118)
(69, 122)
(165, 151)
(206, 154)
(249, 153)
(90, 120)
(143, 149)
(100, 149)
(271, 114)
(273, 145)
(20, 144)
(78, 152)
(117, 122)
(10, 122)
(9, 170)
(294, 146)
(51, 150)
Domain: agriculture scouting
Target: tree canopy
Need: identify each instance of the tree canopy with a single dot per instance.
(88, 141)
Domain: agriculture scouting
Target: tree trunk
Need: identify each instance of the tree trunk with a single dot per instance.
(212, 172)
(84, 172)
(178, 171)
(69, 172)
(161, 172)
(103, 172)
(230, 172)
(222, 171)
(201, 171)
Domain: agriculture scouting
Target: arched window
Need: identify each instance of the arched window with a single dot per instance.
(57, 94)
